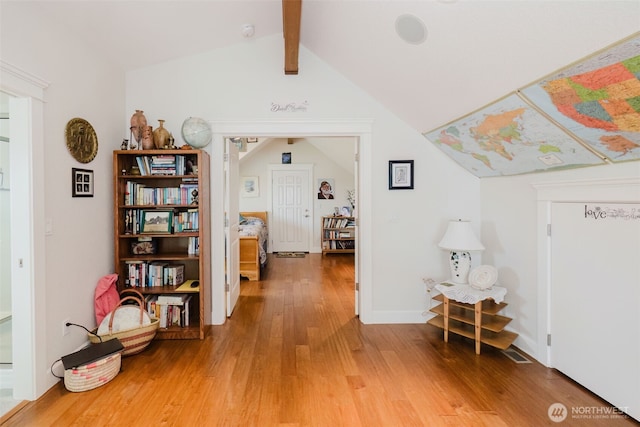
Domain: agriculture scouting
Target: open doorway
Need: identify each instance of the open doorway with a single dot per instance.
(360, 132)
(282, 176)
(27, 231)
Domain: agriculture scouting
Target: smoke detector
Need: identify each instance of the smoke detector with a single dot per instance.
(248, 30)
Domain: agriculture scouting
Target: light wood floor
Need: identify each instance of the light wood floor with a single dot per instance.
(293, 354)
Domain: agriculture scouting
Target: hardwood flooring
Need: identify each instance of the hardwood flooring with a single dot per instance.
(294, 354)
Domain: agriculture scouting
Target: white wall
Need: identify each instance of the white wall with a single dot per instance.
(242, 82)
(5, 266)
(302, 152)
(510, 235)
(81, 84)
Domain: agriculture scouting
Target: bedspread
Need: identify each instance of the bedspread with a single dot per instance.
(252, 226)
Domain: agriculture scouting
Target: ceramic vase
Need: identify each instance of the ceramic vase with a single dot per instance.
(161, 136)
(147, 138)
(138, 123)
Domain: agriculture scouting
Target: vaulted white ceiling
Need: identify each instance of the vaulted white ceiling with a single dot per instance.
(475, 52)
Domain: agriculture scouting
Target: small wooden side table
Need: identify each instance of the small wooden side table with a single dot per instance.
(462, 310)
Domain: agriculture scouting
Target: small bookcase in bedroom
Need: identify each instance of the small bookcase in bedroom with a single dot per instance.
(338, 235)
(162, 235)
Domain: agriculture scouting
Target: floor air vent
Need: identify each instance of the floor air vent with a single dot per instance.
(515, 356)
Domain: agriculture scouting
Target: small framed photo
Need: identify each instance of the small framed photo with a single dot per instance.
(81, 182)
(286, 158)
(345, 211)
(249, 186)
(400, 174)
(156, 222)
(144, 247)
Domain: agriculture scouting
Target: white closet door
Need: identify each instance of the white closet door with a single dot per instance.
(595, 298)
(290, 222)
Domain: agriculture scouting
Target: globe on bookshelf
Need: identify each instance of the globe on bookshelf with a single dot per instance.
(196, 132)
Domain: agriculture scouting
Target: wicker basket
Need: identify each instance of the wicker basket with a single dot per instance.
(94, 374)
(134, 340)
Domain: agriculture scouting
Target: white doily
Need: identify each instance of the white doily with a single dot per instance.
(483, 277)
(469, 295)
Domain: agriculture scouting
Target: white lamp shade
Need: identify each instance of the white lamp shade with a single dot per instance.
(460, 236)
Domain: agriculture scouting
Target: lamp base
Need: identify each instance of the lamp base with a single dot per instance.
(460, 263)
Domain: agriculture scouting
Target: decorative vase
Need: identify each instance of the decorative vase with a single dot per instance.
(161, 136)
(147, 138)
(138, 123)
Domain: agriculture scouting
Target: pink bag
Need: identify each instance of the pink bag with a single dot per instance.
(106, 296)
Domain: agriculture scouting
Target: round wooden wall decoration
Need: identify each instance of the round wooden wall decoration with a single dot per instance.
(82, 141)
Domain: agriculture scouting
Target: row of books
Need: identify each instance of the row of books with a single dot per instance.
(339, 244)
(338, 222)
(143, 274)
(193, 247)
(163, 164)
(338, 234)
(170, 310)
(180, 221)
(139, 194)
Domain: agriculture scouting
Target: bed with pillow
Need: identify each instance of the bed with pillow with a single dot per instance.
(253, 243)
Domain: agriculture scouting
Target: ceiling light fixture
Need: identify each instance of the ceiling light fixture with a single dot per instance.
(411, 29)
(248, 30)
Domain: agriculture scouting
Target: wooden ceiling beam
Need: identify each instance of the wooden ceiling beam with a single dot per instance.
(291, 12)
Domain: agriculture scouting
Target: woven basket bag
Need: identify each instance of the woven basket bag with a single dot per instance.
(92, 375)
(134, 340)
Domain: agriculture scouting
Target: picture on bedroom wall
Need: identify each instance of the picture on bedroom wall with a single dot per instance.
(325, 189)
(249, 186)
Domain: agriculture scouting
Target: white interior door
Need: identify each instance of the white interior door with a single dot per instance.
(356, 214)
(231, 226)
(291, 213)
(595, 295)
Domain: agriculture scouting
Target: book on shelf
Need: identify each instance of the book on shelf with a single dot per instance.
(185, 221)
(173, 274)
(174, 299)
(151, 306)
(145, 274)
(140, 194)
(162, 164)
(337, 222)
(156, 273)
(193, 246)
(135, 273)
(172, 312)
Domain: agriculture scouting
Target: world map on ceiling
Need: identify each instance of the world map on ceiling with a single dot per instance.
(598, 100)
(582, 115)
(509, 137)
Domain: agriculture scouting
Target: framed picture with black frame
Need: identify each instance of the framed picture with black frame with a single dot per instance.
(81, 182)
(400, 174)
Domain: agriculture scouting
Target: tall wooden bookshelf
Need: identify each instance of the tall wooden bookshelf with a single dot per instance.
(162, 223)
(338, 235)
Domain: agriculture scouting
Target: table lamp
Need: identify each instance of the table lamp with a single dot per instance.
(460, 239)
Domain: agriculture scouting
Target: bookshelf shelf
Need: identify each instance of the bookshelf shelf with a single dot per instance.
(338, 235)
(175, 184)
